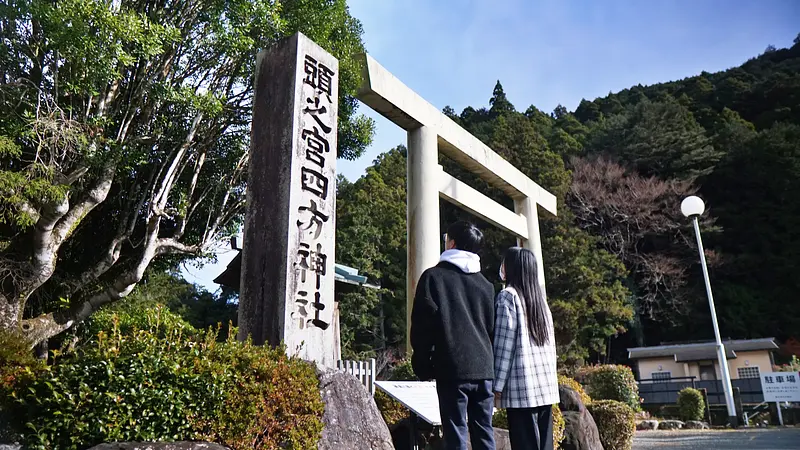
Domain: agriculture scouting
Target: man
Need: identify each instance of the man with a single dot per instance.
(452, 324)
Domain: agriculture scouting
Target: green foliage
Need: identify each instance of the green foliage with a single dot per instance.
(16, 362)
(392, 410)
(152, 377)
(585, 290)
(371, 235)
(559, 426)
(611, 382)
(733, 133)
(192, 309)
(403, 371)
(662, 138)
(500, 420)
(138, 113)
(575, 386)
(586, 296)
(792, 366)
(615, 422)
(691, 404)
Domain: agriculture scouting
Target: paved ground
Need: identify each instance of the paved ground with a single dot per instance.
(768, 439)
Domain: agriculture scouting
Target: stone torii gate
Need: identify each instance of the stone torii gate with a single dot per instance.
(431, 132)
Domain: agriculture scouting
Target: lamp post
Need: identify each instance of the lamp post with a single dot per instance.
(692, 207)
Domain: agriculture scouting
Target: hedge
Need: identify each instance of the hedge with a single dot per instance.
(162, 380)
(575, 386)
(391, 410)
(615, 422)
(691, 405)
(611, 382)
(500, 420)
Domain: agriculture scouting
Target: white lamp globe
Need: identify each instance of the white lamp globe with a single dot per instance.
(692, 206)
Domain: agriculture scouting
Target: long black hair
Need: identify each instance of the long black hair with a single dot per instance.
(521, 274)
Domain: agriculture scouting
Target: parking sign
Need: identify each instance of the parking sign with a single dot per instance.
(781, 386)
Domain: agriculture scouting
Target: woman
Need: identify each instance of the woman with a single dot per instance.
(526, 382)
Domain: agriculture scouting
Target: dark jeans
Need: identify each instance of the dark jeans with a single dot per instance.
(459, 399)
(531, 428)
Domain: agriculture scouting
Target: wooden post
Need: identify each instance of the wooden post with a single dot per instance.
(708, 406)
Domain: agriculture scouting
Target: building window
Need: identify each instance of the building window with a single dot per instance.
(749, 372)
(661, 376)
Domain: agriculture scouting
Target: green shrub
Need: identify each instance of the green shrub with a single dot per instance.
(16, 361)
(559, 426)
(691, 404)
(575, 386)
(611, 382)
(500, 420)
(391, 410)
(167, 382)
(403, 371)
(615, 422)
(127, 317)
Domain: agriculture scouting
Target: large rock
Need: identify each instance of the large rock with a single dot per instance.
(580, 431)
(695, 425)
(501, 440)
(159, 446)
(670, 425)
(647, 425)
(10, 447)
(351, 420)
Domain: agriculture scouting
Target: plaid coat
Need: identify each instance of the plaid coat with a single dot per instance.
(524, 373)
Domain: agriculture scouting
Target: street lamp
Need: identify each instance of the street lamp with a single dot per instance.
(692, 207)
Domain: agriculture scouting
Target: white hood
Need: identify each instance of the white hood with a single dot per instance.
(466, 261)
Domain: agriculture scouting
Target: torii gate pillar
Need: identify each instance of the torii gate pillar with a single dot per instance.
(422, 213)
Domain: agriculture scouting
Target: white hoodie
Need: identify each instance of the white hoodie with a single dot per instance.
(466, 261)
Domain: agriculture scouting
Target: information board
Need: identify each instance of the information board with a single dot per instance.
(781, 386)
(418, 396)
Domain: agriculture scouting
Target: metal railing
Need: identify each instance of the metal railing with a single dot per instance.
(666, 391)
(364, 371)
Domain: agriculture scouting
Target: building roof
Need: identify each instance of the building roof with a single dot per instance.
(344, 274)
(701, 351)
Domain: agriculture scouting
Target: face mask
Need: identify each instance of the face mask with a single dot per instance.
(502, 275)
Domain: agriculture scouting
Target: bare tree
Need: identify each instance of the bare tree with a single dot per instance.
(639, 220)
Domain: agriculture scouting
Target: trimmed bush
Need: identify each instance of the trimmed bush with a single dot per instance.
(558, 427)
(575, 386)
(500, 420)
(403, 371)
(690, 404)
(615, 422)
(611, 382)
(391, 410)
(167, 382)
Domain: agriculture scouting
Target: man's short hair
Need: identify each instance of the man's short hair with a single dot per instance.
(466, 236)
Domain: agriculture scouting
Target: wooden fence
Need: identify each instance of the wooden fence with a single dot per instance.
(364, 371)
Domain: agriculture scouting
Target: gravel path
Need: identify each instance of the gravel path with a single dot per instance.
(766, 439)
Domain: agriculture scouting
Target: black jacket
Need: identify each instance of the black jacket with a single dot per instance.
(452, 325)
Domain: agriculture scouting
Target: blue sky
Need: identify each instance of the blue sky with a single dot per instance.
(550, 52)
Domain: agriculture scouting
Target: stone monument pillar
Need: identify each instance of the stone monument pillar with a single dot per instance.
(287, 284)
